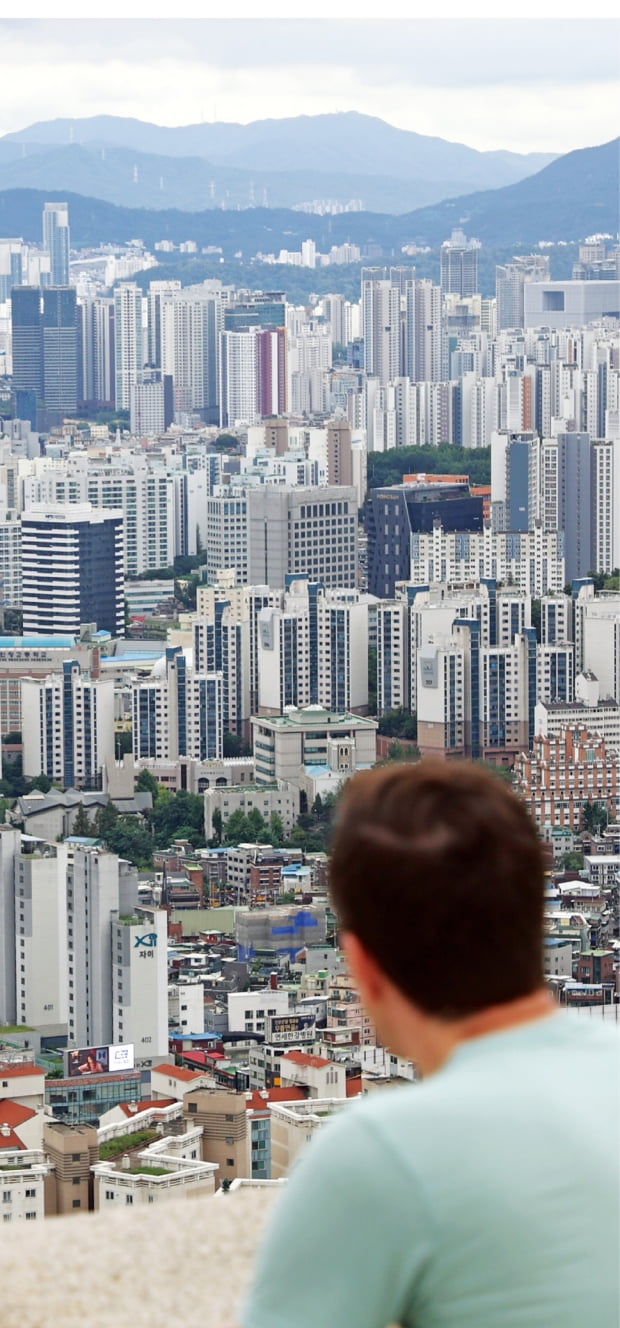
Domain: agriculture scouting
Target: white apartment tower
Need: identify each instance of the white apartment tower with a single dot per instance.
(68, 727)
(140, 983)
(128, 342)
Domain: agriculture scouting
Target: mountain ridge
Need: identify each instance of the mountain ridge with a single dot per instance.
(575, 196)
(348, 151)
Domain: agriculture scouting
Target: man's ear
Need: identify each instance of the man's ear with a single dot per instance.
(364, 969)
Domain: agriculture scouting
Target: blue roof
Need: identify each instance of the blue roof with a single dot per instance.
(37, 642)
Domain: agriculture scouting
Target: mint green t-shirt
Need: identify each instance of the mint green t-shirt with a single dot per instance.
(486, 1196)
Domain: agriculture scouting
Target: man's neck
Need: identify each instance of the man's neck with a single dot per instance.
(446, 1035)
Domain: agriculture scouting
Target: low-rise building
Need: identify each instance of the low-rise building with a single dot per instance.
(293, 1125)
(564, 772)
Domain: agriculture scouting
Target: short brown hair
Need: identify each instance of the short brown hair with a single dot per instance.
(437, 868)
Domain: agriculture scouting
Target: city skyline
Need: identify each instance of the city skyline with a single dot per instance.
(440, 77)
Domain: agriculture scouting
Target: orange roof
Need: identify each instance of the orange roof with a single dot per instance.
(255, 1101)
(302, 1058)
(13, 1113)
(11, 1140)
(11, 1070)
(177, 1072)
(148, 1104)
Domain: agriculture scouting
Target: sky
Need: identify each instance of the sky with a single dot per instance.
(532, 84)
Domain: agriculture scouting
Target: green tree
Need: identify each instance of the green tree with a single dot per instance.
(594, 816)
(571, 861)
(147, 783)
(123, 743)
(233, 746)
(105, 821)
(41, 782)
(256, 825)
(216, 822)
(399, 723)
(398, 752)
(276, 829)
(81, 823)
(237, 829)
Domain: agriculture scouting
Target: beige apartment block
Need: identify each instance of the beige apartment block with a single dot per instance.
(72, 1150)
(293, 1125)
(224, 1129)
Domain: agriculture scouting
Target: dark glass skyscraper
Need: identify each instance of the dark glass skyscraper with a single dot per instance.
(27, 339)
(60, 350)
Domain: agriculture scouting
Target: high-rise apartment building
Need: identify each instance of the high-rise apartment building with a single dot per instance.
(68, 727)
(40, 873)
(128, 342)
(510, 280)
(239, 378)
(56, 241)
(381, 325)
(72, 569)
(459, 265)
(177, 711)
(140, 983)
(100, 888)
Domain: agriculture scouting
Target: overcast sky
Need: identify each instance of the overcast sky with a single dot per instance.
(528, 85)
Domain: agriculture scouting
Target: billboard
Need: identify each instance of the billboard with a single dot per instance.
(87, 1061)
(290, 1028)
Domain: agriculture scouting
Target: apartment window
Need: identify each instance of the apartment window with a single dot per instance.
(109, 1194)
(6, 1217)
(192, 1106)
(129, 1198)
(75, 1157)
(31, 1217)
(76, 1203)
(230, 1161)
(31, 1194)
(6, 1196)
(229, 1139)
(228, 1117)
(75, 1180)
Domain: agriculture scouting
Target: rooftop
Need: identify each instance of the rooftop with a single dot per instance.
(302, 1058)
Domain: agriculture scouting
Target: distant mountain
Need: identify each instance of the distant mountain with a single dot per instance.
(575, 196)
(280, 162)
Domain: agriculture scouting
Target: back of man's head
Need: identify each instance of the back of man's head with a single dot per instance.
(438, 870)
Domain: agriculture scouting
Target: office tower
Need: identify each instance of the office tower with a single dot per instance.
(303, 532)
(68, 727)
(41, 935)
(157, 292)
(510, 280)
(128, 342)
(395, 513)
(98, 890)
(146, 405)
(272, 371)
(56, 241)
(140, 984)
(60, 351)
(459, 265)
(177, 711)
(25, 406)
(239, 379)
(423, 333)
(72, 569)
(27, 337)
(222, 645)
(381, 325)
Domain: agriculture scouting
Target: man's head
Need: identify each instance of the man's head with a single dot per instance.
(437, 876)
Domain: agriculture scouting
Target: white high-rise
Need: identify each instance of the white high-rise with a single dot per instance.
(140, 984)
(381, 325)
(56, 241)
(129, 348)
(68, 727)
